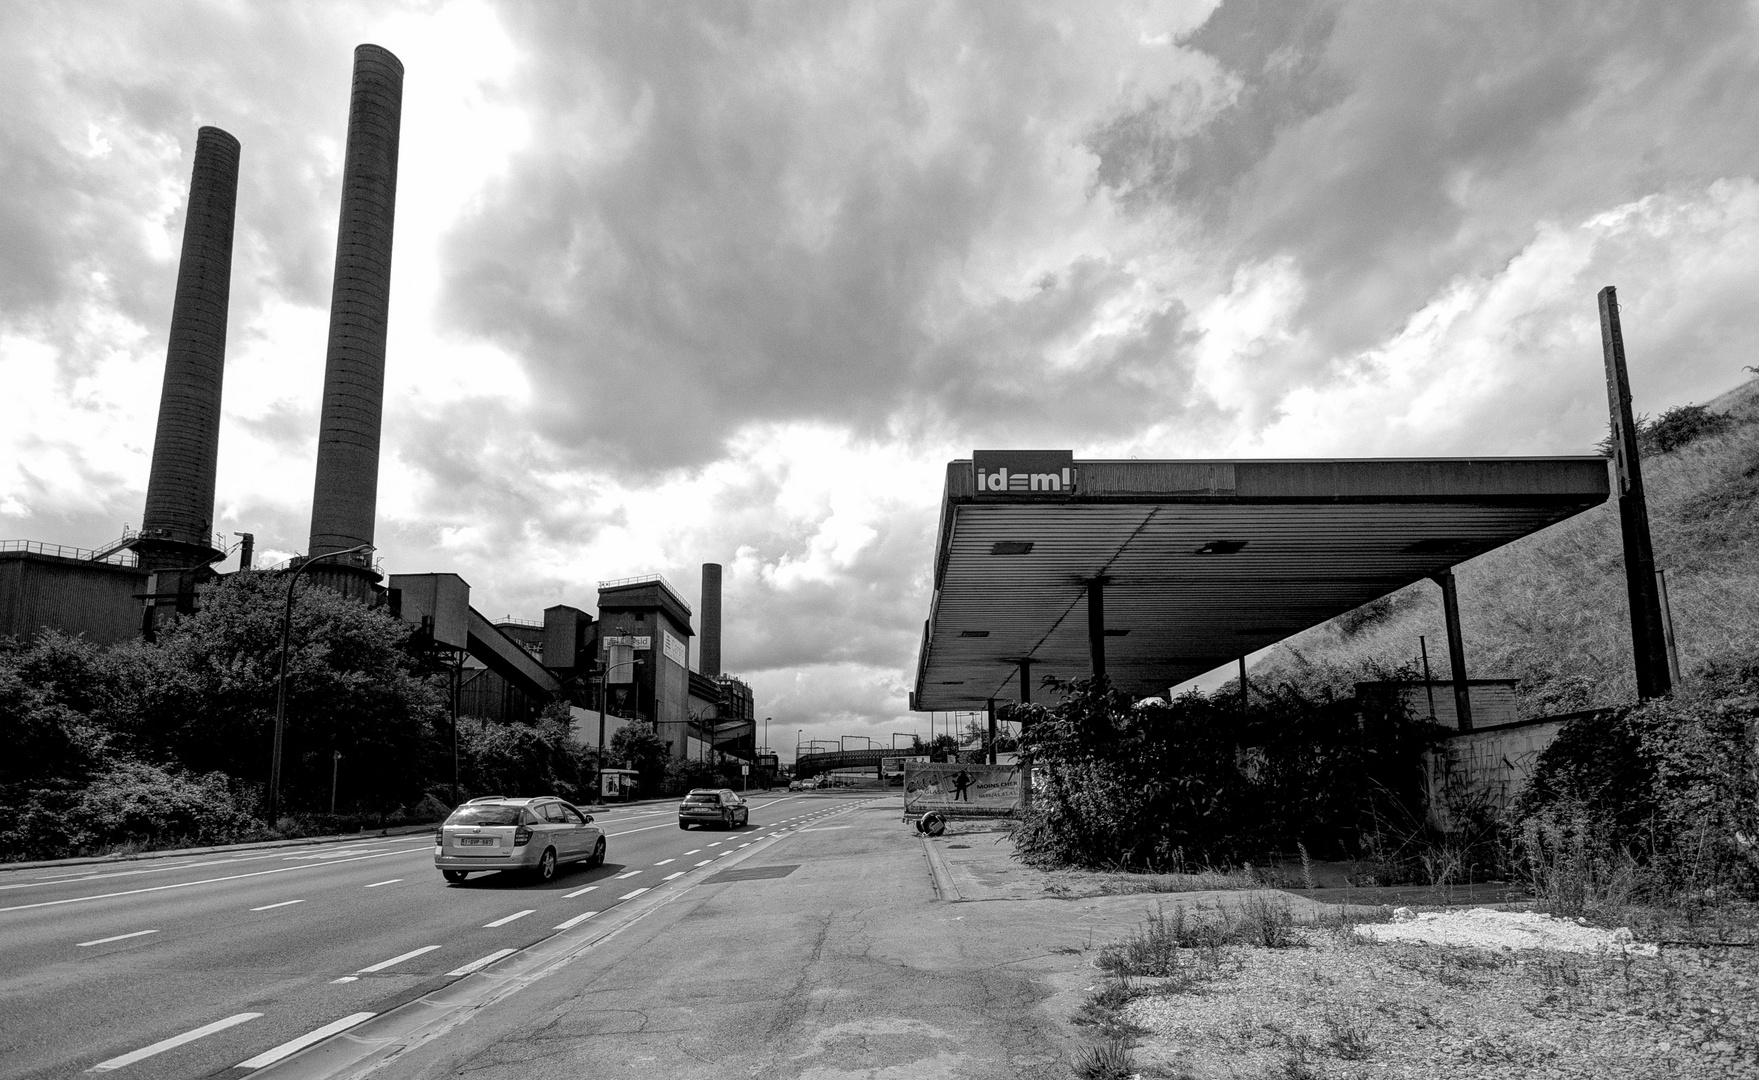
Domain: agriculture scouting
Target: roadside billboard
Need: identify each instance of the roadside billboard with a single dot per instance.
(894, 766)
(961, 790)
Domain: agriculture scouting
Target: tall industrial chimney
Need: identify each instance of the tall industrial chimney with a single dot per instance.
(177, 528)
(710, 661)
(345, 496)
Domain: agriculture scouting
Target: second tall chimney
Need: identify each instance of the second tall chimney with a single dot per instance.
(710, 661)
(345, 496)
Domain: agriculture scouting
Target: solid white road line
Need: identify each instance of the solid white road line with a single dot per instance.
(172, 1043)
(481, 962)
(632, 895)
(569, 924)
(577, 892)
(630, 874)
(203, 881)
(284, 903)
(663, 862)
(410, 955)
(118, 937)
(376, 884)
(294, 1046)
(669, 877)
(508, 919)
(132, 873)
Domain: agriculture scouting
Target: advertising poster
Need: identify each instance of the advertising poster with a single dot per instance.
(961, 790)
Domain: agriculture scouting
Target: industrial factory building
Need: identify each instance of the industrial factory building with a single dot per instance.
(631, 663)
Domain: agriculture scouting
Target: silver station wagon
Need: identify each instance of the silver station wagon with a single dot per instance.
(535, 835)
(713, 806)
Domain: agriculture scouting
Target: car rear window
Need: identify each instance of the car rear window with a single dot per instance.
(484, 815)
(711, 797)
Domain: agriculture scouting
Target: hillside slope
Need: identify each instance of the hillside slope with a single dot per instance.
(1550, 610)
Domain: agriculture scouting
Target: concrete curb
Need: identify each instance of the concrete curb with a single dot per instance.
(377, 1042)
(250, 845)
(941, 873)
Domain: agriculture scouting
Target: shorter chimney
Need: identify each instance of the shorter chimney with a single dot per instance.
(710, 661)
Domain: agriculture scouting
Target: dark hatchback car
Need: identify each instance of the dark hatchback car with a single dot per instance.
(497, 833)
(713, 806)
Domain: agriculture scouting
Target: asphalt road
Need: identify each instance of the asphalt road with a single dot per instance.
(214, 962)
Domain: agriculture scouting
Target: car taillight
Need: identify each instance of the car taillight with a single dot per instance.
(520, 836)
(439, 837)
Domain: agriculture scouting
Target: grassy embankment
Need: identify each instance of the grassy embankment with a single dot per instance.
(1549, 610)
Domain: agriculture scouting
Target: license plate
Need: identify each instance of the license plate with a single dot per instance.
(483, 841)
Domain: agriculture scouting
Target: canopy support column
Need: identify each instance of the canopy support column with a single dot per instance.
(1096, 624)
(1450, 606)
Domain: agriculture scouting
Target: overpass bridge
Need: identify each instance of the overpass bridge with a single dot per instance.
(831, 760)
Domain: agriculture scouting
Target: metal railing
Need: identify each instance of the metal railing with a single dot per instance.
(617, 583)
(64, 551)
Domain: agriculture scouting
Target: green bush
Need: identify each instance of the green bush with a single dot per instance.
(130, 804)
(1654, 801)
(1159, 785)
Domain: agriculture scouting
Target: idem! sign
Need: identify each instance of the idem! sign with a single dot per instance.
(1024, 472)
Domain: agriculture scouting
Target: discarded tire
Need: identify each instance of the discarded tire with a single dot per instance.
(932, 824)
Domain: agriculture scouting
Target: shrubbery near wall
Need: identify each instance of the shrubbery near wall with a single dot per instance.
(1655, 802)
(1167, 785)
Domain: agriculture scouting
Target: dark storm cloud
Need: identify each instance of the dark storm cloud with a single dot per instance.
(103, 102)
(1390, 147)
(738, 213)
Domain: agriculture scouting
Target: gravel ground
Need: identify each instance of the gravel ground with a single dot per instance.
(1340, 1006)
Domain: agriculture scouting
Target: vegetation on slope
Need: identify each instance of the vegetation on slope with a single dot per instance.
(1549, 610)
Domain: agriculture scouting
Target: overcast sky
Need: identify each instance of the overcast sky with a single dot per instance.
(677, 283)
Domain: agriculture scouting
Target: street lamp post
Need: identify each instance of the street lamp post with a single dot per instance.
(281, 691)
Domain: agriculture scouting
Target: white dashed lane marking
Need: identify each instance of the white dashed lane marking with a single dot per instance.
(376, 884)
(410, 955)
(630, 874)
(271, 907)
(294, 1046)
(663, 862)
(173, 1042)
(631, 895)
(578, 892)
(669, 877)
(576, 921)
(118, 937)
(508, 919)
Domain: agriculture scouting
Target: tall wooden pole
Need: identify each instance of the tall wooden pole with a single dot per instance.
(1648, 635)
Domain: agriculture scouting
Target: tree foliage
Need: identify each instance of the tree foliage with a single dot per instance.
(146, 743)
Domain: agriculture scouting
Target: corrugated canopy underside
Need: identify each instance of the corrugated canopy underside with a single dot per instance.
(1206, 561)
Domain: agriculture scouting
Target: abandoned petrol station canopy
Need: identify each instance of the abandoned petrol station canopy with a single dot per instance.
(1197, 562)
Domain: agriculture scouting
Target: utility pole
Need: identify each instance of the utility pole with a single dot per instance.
(335, 768)
(1648, 636)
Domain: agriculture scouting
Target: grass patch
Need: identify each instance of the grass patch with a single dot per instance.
(1109, 1060)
